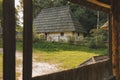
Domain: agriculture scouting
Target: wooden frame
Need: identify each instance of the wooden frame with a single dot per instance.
(27, 40)
(114, 29)
(9, 40)
(116, 38)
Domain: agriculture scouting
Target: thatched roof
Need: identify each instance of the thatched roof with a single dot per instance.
(102, 5)
(57, 19)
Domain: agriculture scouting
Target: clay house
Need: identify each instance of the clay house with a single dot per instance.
(58, 24)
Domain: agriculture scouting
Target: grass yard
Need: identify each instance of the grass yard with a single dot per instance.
(65, 55)
(64, 59)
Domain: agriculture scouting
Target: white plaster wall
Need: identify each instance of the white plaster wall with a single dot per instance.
(57, 36)
(80, 37)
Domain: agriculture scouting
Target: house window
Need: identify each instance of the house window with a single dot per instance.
(45, 34)
(73, 33)
(62, 34)
(78, 34)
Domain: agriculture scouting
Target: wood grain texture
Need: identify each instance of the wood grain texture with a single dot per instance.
(116, 38)
(27, 40)
(98, 71)
(9, 40)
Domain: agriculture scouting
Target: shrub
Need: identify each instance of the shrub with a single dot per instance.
(97, 39)
(71, 39)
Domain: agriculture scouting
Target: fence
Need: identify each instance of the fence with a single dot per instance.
(98, 71)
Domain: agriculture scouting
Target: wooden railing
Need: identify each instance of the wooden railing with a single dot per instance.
(97, 71)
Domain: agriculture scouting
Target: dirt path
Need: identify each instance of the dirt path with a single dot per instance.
(39, 68)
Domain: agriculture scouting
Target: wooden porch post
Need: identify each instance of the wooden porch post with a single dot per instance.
(8, 40)
(27, 40)
(116, 38)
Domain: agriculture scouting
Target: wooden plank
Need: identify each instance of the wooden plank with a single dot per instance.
(110, 40)
(27, 40)
(116, 38)
(98, 71)
(8, 40)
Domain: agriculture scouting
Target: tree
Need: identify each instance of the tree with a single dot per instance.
(19, 17)
(38, 5)
(98, 38)
(87, 17)
(0, 10)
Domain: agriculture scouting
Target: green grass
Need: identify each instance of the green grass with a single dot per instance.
(65, 55)
(65, 59)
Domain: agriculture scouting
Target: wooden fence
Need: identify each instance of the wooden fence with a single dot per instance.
(97, 71)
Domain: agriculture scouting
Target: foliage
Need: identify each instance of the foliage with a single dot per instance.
(19, 36)
(98, 39)
(38, 37)
(38, 5)
(87, 16)
(50, 47)
(0, 10)
(71, 39)
(19, 33)
(1, 42)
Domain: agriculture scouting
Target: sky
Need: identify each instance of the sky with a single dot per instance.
(20, 13)
(16, 2)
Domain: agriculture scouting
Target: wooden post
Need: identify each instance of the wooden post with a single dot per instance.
(110, 36)
(8, 40)
(27, 40)
(116, 38)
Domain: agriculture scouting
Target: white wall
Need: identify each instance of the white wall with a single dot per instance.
(57, 36)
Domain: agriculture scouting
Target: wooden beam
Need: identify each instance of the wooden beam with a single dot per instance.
(9, 40)
(94, 5)
(116, 38)
(110, 43)
(27, 40)
(99, 4)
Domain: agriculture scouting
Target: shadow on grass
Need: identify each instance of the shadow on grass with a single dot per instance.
(53, 47)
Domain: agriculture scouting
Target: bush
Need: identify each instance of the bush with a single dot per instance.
(1, 42)
(97, 39)
(19, 38)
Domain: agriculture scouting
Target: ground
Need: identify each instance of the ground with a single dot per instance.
(49, 57)
(39, 68)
